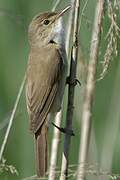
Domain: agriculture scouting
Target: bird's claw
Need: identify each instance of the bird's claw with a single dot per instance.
(73, 82)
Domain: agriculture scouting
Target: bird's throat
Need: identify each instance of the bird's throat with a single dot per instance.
(58, 33)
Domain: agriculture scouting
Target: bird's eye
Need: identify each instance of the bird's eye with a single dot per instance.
(46, 22)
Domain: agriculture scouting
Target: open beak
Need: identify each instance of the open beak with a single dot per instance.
(61, 13)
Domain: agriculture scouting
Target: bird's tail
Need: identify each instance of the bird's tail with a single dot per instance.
(41, 150)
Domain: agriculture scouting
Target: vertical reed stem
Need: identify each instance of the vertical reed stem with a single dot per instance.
(71, 89)
(90, 91)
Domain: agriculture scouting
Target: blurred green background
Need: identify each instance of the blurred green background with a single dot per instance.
(104, 153)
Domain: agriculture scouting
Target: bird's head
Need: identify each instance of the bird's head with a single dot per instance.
(47, 28)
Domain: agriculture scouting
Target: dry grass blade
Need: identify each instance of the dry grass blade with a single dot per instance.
(89, 91)
(11, 119)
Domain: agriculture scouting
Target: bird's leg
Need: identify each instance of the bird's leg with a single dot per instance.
(64, 130)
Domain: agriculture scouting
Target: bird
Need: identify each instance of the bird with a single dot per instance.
(45, 78)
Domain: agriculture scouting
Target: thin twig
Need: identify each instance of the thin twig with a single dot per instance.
(71, 89)
(11, 118)
(89, 91)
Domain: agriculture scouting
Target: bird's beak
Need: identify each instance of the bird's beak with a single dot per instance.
(61, 13)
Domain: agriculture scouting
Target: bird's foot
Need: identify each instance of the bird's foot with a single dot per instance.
(64, 130)
(73, 82)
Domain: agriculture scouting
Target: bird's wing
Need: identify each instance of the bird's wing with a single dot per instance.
(43, 75)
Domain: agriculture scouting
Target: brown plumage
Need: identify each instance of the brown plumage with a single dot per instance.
(46, 76)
